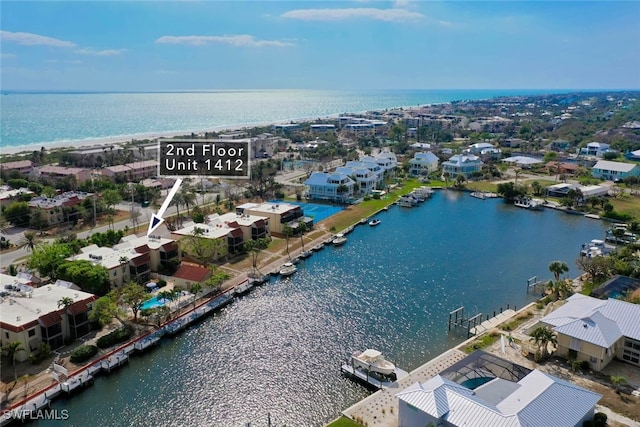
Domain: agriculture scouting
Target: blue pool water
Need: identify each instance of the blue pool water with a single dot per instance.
(474, 383)
(315, 210)
(153, 303)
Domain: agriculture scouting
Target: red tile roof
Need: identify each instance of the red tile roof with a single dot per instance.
(50, 319)
(168, 247)
(141, 260)
(143, 249)
(192, 273)
(80, 306)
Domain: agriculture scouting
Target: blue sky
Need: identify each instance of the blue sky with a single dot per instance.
(194, 45)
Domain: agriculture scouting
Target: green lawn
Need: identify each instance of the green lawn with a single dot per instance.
(627, 204)
(344, 422)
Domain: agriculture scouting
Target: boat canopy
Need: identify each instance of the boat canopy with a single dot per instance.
(371, 354)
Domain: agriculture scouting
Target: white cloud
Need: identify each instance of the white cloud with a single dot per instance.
(239, 41)
(8, 55)
(387, 15)
(104, 52)
(63, 61)
(30, 39)
(401, 3)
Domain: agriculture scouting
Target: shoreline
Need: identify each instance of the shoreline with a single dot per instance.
(26, 149)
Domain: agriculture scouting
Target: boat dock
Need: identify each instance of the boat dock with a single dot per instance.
(69, 383)
(381, 408)
(373, 381)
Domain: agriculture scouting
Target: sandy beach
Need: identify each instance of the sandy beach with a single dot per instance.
(27, 149)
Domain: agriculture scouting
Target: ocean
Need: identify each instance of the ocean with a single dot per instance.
(30, 118)
(278, 350)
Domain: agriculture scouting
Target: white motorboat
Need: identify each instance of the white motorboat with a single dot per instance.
(339, 240)
(288, 269)
(374, 222)
(305, 254)
(372, 361)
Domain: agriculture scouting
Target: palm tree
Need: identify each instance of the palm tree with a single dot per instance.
(66, 302)
(29, 241)
(517, 171)
(557, 268)
(288, 232)
(255, 246)
(542, 336)
(188, 199)
(177, 201)
(341, 190)
(302, 228)
(446, 176)
(12, 349)
(195, 289)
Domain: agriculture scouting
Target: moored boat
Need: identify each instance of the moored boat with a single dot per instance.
(339, 240)
(288, 269)
(305, 254)
(374, 222)
(371, 360)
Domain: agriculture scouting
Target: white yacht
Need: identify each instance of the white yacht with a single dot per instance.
(372, 361)
(288, 269)
(339, 240)
(374, 222)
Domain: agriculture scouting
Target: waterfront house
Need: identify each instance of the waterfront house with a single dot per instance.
(596, 331)
(130, 172)
(597, 149)
(536, 399)
(373, 166)
(462, 164)
(366, 180)
(277, 215)
(232, 228)
(385, 159)
(326, 186)
(423, 163)
(21, 166)
(123, 263)
(33, 316)
(587, 191)
(163, 253)
(609, 170)
(229, 233)
(188, 273)
(58, 172)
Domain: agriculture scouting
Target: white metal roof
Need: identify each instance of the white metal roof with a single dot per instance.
(541, 399)
(614, 166)
(595, 329)
(625, 315)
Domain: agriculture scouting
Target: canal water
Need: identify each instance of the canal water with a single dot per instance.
(278, 350)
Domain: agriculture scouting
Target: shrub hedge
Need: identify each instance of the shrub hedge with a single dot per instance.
(115, 337)
(83, 353)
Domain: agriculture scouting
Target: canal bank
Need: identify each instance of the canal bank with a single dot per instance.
(278, 349)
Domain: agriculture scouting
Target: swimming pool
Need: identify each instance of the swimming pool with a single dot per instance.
(153, 303)
(314, 210)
